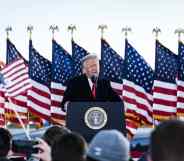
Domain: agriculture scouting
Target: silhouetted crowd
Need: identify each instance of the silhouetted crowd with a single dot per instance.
(60, 144)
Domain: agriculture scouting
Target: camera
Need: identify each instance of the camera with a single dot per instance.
(24, 147)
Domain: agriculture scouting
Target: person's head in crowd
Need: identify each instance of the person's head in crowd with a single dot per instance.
(167, 141)
(4, 159)
(47, 141)
(90, 65)
(52, 133)
(69, 147)
(5, 142)
(108, 145)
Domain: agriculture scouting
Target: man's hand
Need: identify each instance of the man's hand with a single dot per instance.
(44, 150)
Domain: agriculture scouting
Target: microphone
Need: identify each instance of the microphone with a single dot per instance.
(94, 79)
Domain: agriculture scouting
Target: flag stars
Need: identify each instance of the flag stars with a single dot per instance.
(166, 64)
(137, 69)
(40, 68)
(63, 65)
(112, 63)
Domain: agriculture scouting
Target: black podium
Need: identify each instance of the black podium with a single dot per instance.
(88, 118)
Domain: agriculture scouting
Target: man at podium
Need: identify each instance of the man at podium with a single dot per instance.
(88, 86)
(95, 103)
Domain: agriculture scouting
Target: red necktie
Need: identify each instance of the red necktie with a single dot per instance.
(94, 90)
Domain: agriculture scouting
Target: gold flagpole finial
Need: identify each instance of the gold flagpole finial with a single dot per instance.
(179, 31)
(156, 31)
(53, 28)
(8, 30)
(30, 29)
(126, 30)
(102, 28)
(71, 28)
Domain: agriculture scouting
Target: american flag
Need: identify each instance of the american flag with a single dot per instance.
(39, 100)
(16, 78)
(165, 89)
(77, 54)
(12, 53)
(62, 72)
(16, 82)
(180, 81)
(137, 87)
(16, 72)
(111, 67)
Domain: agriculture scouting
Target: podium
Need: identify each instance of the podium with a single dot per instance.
(87, 118)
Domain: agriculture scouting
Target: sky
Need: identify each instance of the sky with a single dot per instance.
(140, 15)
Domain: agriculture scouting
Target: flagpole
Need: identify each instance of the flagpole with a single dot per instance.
(53, 28)
(126, 30)
(156, 31)
(29, 30)
(102, 29)
(8, 29)
(71, 29)
(179, 31)
(20, 120)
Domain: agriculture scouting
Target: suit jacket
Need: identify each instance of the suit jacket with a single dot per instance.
(79, 89)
